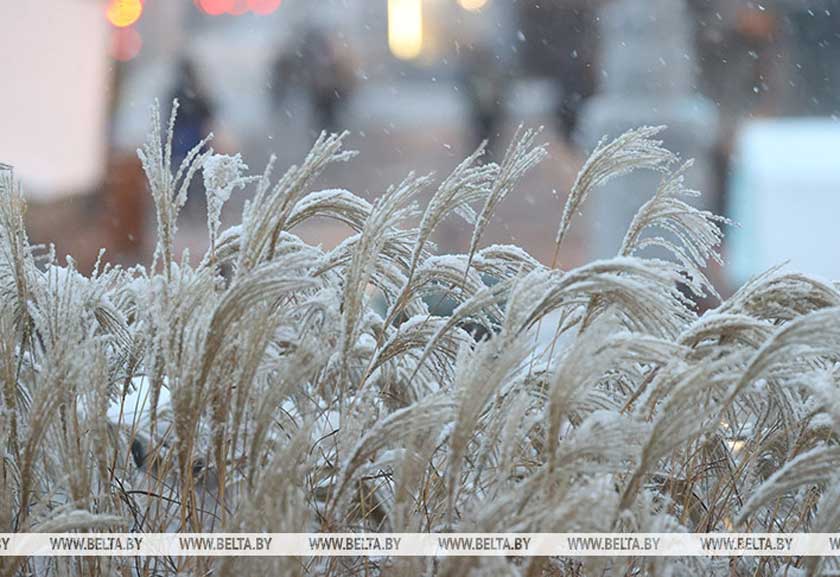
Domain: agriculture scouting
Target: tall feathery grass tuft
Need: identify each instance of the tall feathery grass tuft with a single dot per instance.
(263, 390)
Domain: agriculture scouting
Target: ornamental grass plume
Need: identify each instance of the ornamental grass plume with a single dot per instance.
(262, 391)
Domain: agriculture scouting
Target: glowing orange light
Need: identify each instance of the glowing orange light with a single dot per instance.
(122, 13)
(216, 7)
(264, 7)
(125, 44)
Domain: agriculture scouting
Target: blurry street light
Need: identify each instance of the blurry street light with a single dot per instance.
(237, 7)
(216, 7)
(472, 5)
(264, 7)
(122, 13)
(125, 44)
(405, 28)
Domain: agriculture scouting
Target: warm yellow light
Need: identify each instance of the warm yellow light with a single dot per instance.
(122, 13)
(405, 28)
(472, 5)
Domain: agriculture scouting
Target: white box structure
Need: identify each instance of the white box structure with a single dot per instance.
(785, 193)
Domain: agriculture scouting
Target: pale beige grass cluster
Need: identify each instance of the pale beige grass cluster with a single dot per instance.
(278, 398)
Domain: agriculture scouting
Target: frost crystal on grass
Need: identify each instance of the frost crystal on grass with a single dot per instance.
(222, 174)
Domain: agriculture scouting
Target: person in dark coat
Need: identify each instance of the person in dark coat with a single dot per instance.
(561, 43)
(485, 85)
(195, 111)
(323, 70)
(193, 123)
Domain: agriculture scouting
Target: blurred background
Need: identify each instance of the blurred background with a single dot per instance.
(749, 89)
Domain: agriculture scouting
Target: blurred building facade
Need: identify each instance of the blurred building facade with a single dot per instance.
(431, 77)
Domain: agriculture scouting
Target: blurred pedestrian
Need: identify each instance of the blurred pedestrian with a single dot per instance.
(576, 37)
(740, 71)
(195, 111)
(485, 85)
(194, 122)
(323, 70)
(561, 40)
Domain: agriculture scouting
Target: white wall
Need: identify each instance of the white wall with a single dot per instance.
(54, 77)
